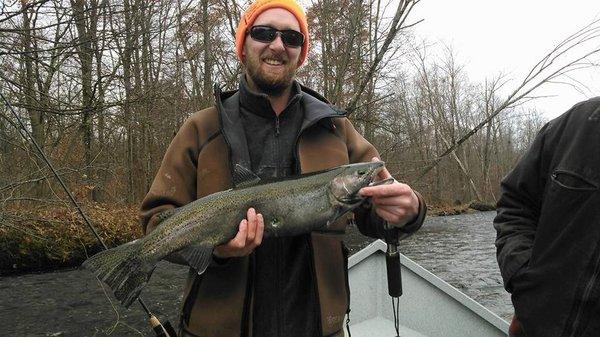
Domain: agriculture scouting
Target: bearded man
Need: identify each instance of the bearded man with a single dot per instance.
(272, 125)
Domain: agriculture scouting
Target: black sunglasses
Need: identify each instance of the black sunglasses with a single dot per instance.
(267, 34)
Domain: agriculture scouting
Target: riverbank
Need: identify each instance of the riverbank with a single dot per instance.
(55, 238)
(50, 238)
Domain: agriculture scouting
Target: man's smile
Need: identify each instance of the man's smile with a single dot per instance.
(273, 62)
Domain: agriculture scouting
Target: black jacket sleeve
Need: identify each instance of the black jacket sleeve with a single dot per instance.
(370, 224)
(519, 210)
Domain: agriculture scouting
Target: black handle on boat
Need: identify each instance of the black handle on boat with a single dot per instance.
(392, 260)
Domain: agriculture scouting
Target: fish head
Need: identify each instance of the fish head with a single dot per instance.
(351, 178)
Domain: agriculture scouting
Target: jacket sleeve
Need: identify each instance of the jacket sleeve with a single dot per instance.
(175, 182)
(367, 221)
(370, 224)
(518, 210)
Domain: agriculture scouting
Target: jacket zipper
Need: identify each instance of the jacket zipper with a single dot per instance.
(279, 307)
(248, 298)
(245, 322)
(574, 324)
(277, 157)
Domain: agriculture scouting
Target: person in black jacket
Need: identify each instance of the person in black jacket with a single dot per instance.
(548, 229)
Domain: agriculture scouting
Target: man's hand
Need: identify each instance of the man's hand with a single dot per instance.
(249, 236)
(396, 203)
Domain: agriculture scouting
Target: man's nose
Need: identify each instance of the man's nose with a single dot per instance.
(277, 44)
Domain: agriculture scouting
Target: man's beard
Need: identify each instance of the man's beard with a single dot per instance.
(270, 84)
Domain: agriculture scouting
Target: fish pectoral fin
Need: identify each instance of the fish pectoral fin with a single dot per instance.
(243, 177)
(197, 257)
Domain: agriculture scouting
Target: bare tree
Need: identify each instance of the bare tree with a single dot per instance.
(570, 54)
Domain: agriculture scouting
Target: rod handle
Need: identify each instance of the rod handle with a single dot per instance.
(394, 276)
(161, 330)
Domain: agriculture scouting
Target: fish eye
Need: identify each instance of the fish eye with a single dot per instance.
(362, 172)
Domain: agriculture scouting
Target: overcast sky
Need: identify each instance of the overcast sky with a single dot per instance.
(509, 37)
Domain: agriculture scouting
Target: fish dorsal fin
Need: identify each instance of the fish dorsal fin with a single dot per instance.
(197, 257)
(243, 177)
(164, 215)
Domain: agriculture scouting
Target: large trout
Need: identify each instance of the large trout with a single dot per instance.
(289, 207)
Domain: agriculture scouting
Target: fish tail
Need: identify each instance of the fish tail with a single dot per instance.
(122, 269)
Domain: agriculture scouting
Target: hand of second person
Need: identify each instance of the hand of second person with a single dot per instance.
(249, 236)
(396, 203)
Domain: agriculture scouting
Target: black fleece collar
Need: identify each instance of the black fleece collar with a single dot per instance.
(259, 104)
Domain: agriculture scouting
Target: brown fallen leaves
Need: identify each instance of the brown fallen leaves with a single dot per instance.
(51, 237)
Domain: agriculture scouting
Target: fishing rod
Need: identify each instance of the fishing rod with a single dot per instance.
(161, 330)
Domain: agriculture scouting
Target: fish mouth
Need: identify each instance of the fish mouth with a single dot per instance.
(367, 178)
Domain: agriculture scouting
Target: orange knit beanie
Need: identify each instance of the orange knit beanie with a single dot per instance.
(259, 6)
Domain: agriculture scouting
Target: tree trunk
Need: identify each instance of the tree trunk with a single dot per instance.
(85, 53)
(208, 57)
(28, 99)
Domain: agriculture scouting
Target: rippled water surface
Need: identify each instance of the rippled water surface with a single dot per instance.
(458, 249)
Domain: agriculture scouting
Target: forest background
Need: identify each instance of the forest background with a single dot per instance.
(103, 86)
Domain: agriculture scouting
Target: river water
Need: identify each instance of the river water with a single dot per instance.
(459, 249)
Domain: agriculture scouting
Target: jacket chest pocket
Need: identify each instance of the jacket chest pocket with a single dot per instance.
(568, 192)
(569, 209)
(572, 181)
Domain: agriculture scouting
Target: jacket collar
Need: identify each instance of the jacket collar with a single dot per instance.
(316, 110)
(259, 104)
(315, 106)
